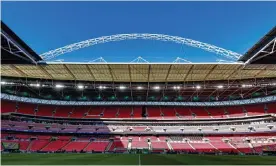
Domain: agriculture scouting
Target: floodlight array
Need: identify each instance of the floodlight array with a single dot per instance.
(122, 87)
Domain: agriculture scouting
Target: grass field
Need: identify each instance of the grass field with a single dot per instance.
(133, 159)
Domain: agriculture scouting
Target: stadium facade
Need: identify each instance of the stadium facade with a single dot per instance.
(99, 107)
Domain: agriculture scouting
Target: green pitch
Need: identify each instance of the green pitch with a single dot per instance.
(132, 159)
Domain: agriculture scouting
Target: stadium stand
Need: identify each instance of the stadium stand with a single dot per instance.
(127, 112)
(129, 108)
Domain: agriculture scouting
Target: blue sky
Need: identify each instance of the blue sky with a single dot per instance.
(49, 25)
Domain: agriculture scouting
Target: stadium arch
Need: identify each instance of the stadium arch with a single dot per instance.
(143, 36)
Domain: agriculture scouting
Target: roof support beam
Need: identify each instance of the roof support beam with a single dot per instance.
(227, 88)
(234, 72)
(262, 56)
(90, 72)
(213, 68)
(45, 71)
(233, 93)
(260, 72)
(214, 91)
(114, 90)
(72, 75)
(169, 70)
(190, 70)
(131, 91)
(129, 72)
(19, 71)
(113, 83)
(149, 70)
(148, 82)
(17, 46)
(262, 50)
(110, 71)
(250, 92)
(164, 90)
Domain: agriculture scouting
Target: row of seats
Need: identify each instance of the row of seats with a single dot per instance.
(236, 144)
(136, 112)
(252, 127)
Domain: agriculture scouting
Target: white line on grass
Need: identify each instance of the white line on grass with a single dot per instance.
(139, 160)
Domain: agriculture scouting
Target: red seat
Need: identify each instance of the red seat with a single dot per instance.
(200, 112)
(24, 108)
(154, 113)
(79, 112)
(94, 112)
(110, 112)
(139, 144)
(169, 112)
(159, 145)
(235, 111)
(63, 111)
(45, 110)
(97, 146)
(271, 108)
(203, 147)
(216, 112)
(54, 145)
(181, 146)
(119, 146)
(78, 146)
(38, 144)
(253, 110)
(124, 112)
(184, 112)
(7, 106)
(137, 112)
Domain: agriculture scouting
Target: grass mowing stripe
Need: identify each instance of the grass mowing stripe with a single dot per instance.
(131, 159)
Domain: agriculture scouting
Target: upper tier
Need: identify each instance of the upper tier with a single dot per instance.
(136, 112)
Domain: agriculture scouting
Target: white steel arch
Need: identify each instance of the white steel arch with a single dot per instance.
(145, 36)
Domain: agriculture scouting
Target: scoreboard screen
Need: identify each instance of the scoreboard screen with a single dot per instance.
(10, 145)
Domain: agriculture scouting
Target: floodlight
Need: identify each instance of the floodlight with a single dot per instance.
(102, 87)
(80, 86)
(122, 87)
(220, 86)
(198, 87)
(246, 85)
(139, 87)
(7, 83)
(59, 86)
(156, 87)
(35, 85)
(176, 87)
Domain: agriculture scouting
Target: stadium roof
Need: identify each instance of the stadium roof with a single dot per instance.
(264, 51)
(14, 50)
(157, 72)
(18, 61)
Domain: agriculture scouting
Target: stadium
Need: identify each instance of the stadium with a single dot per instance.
(137, 113)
